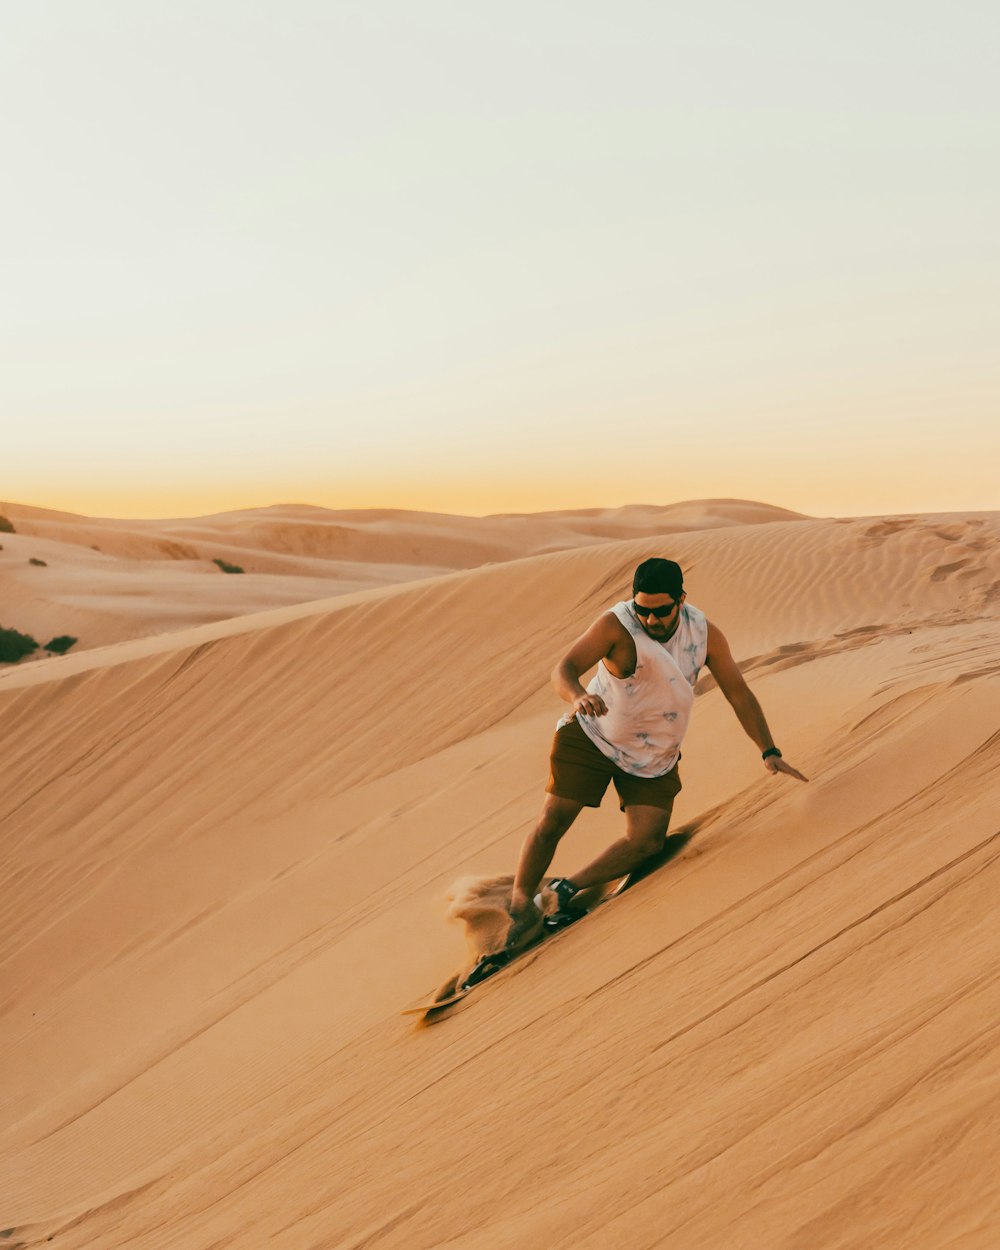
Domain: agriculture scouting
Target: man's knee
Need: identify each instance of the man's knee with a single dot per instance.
(648, 844)
(557, 816)
(648, 834)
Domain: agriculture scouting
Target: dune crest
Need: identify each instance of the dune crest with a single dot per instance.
(108, 581)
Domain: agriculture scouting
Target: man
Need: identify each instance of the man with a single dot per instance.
(627, 727)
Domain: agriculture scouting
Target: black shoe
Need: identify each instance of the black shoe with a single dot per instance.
(565, 913)
(564, 890)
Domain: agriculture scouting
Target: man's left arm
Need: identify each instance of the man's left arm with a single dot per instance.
(719, 660)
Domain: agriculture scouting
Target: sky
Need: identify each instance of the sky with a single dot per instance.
(469, 257)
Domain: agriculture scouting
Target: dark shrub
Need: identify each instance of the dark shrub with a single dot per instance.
(60, 645)
(226, 567)
(6, 527)
(14, 646)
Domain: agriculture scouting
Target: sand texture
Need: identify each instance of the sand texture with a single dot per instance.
(226, 853)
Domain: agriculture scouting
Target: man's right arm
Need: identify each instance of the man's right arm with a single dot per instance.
(596, 644)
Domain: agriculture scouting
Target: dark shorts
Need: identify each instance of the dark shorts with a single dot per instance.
(580, 771)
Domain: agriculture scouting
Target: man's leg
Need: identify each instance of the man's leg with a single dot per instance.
(536, 855)
(645, 831)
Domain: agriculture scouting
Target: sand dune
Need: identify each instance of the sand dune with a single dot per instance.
(226, 851)
(106, 581)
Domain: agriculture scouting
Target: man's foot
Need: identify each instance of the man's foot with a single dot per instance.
(525, 922)
(564, 890)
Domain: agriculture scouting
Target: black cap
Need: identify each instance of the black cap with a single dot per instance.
(658, 577)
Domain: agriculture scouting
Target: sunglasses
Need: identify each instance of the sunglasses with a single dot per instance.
(666, 610)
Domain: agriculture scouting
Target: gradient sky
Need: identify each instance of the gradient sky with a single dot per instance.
(471, 257)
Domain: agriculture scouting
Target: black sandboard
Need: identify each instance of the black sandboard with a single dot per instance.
(453, 991)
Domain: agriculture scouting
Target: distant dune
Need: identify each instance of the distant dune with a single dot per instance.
(107, 580)
(225, 852)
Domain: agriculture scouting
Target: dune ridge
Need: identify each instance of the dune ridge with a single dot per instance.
(226, 853)
(107, 581)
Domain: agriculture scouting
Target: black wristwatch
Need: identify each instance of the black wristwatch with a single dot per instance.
(771, 751)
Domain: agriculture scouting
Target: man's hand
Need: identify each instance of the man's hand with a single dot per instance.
(775, 764)
(590, 705)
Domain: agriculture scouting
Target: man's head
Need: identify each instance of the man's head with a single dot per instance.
(657, 593)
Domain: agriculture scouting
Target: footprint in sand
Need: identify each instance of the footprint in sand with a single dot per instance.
(885, 529)
(944, 571)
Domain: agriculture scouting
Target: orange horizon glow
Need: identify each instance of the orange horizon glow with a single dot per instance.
(116, 503)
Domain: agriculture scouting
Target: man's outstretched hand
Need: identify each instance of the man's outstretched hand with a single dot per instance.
(775, 764)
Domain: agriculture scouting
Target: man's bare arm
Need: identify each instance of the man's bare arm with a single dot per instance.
(750, 714)
(596, 644)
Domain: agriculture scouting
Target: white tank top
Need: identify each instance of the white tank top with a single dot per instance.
(648, 712)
